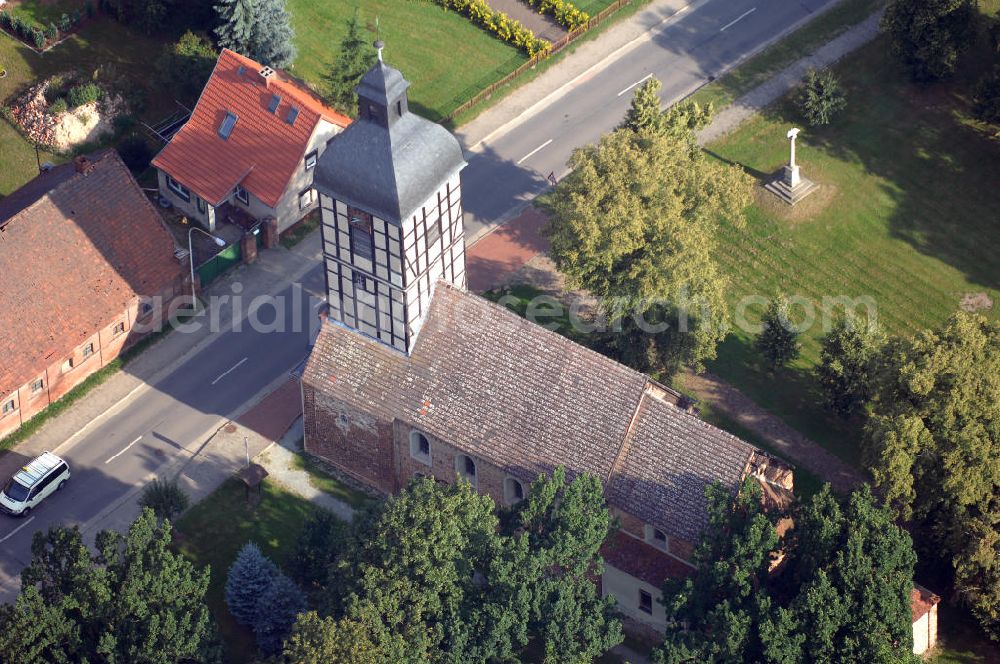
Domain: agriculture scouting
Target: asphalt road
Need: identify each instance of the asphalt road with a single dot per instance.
(152, 429)
(156, 425)
(683, 52)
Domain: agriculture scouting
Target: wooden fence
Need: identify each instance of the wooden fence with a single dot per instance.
(557, 46)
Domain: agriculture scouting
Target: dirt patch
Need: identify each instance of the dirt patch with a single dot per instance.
(805, 210)
(973, 302)
(64, 130)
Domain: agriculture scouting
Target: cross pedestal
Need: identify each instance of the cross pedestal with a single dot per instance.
(790, 186)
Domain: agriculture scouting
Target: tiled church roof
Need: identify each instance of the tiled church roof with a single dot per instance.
(527, 400)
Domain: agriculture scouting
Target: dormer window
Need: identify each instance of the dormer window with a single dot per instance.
(272, 106)
(228, 122)
(292, 114)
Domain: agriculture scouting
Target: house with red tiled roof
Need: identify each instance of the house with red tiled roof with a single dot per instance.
(88, 268)
(249, 148)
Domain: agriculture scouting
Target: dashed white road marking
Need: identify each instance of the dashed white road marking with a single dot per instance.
(123, 451)
(226, 373)
(641, 80)
(14, 532)
(737, 19)
(533, 151)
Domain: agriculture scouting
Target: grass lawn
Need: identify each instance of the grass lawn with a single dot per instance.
(593, 7)
(103, 48)
(447, 59)
(907, 216)
(779, 55)
(213, 531)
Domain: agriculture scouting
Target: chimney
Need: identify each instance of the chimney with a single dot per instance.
(82, 165)
(266, 73)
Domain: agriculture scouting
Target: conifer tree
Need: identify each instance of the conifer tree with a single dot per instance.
(357, 56)
(778, 340)
(236, 24)
(249, 576)
(277, 609)
(272, 41)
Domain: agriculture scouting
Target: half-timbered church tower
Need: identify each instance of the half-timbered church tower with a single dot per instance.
(392, 213)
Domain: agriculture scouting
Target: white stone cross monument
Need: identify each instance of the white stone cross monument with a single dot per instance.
(790, 186)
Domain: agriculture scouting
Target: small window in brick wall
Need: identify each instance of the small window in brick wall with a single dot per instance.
(9, 407)
(37, 385)
(645, 602)
(656, 537)
(119, 329)
(420, 447)
(513, 490)
(88, 350)
(466, 467)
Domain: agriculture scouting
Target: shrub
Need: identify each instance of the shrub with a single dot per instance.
(847, 365)
(820, 97)
(277, 608)
(65, 23)
(778, 340)
(501, 25)
(6, 21)
(165, 497)
(986, 102)
(51, 32)
(78, 95)
(58, 106)
(38, 37)
(186, 65)
(565, 13)
(249, 576)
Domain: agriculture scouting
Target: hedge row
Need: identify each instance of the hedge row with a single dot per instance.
(38, 36)
(501, 25)
(565, 13)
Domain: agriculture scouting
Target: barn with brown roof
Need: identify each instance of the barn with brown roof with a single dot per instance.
(88, 267)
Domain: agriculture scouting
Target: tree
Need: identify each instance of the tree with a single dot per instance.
(249, 576)
(357, 56)
(147, 15)
(165, 497)
(778, 340)
(847, 365)
(236, 24)
(277, 608)
(928, 35)
(185, 66)
(681, 120)
(321, 543)
(986, 102)
(820, 97)
(273, 40)
(933, 444)
(635, 223)
(134, 601)
(851, 572)
(565, 523)
(726, 597)
(316, 640)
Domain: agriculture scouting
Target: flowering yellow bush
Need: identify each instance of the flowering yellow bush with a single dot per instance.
(501, 25)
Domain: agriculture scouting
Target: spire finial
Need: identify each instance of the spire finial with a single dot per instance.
(379, 45)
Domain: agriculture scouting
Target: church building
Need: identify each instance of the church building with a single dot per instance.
(413, 375)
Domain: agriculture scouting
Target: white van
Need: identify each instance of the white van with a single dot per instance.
(33, 484)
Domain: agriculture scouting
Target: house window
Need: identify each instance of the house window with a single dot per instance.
(513, 490)
(242, 196)
(88, 350)
(656, 537)
(311, 160)
(200, 203)
(466, 467)
(68, 364)
(272, 105)
(361, 241)
(433, 232)
(307, 198)
(178, 188)
(645, 602)
(119, 329)
(37, 386)
(9, 406)
(145, 308)
(228, 123)
(420, 447)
